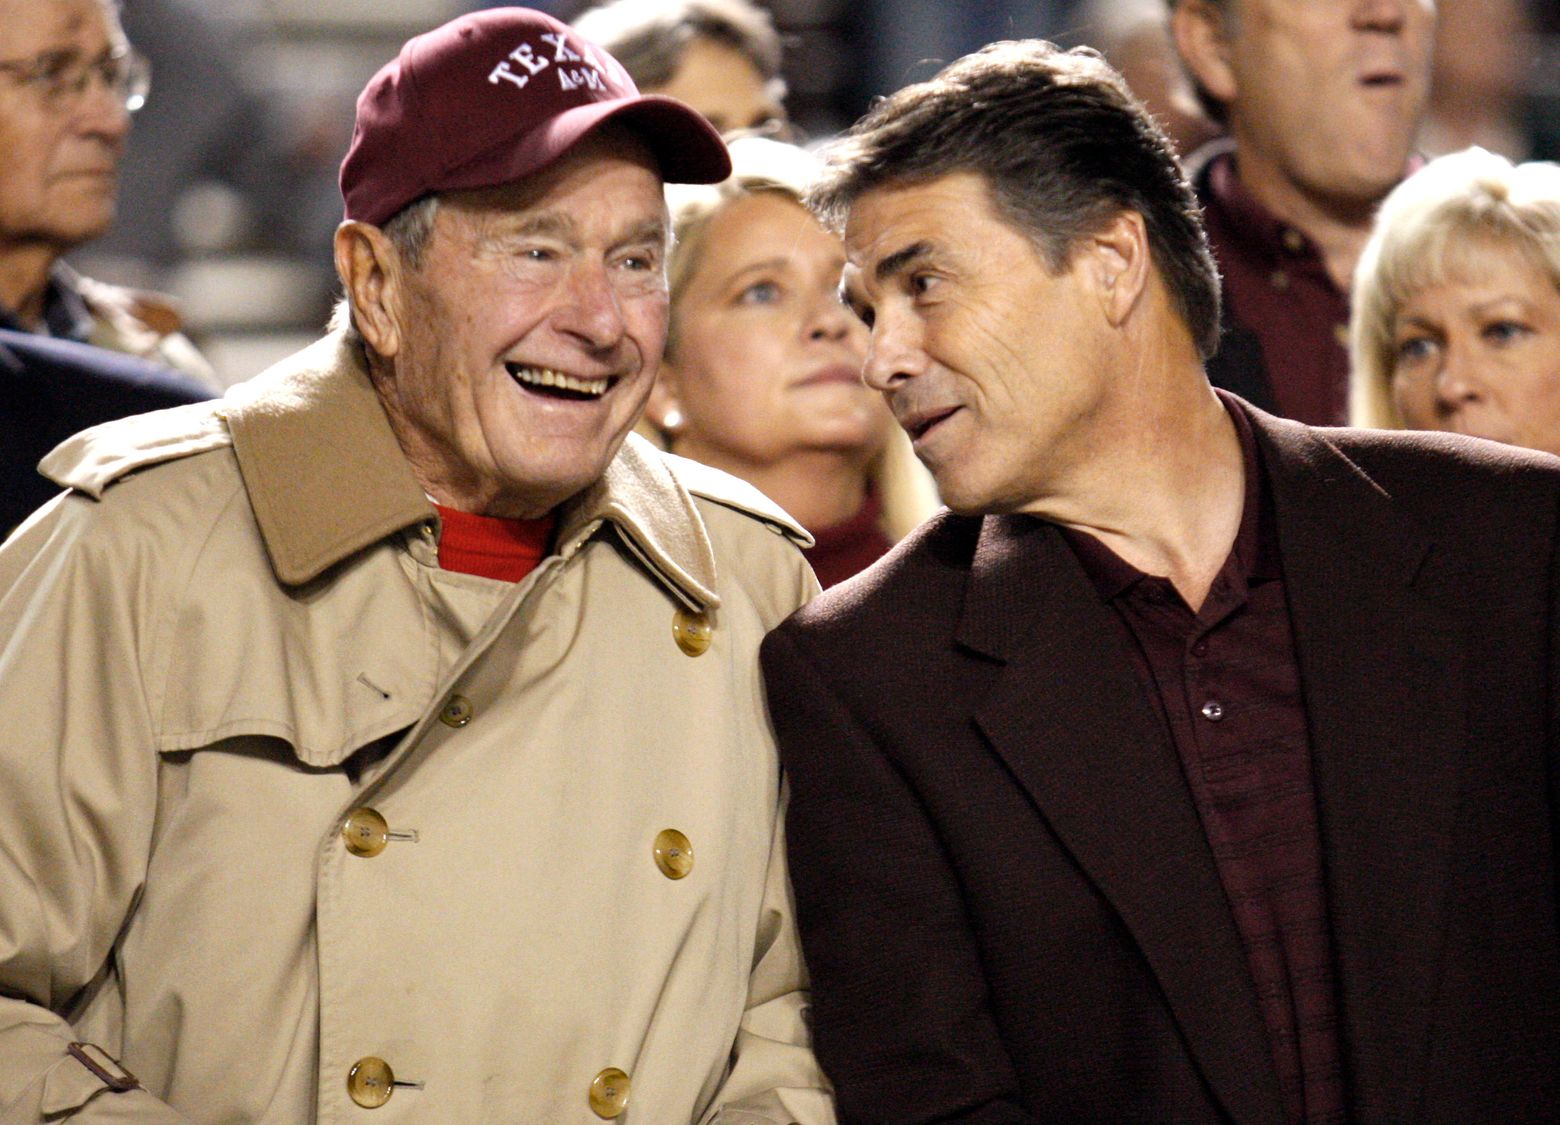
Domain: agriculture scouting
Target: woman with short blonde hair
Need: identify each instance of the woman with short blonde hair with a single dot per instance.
(1456, 320)
(762, 374)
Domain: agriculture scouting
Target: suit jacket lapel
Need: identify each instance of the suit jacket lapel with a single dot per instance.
(1071, 721)
(1373, 602)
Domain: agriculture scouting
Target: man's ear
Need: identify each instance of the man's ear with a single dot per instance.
(1118, 259)
(370, 270)
(1201, 32)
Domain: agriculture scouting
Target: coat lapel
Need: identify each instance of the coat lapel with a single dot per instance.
(1071, 721)
(1372, 602)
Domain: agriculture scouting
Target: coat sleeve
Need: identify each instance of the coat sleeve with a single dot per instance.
(77, 802)
(901, 1021)
(774, 1079)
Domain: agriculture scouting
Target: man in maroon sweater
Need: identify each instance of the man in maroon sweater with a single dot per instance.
(1322, 100)
(1198, 766)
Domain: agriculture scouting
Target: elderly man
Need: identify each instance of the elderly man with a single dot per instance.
(1322, 101)
(1199, 766)
(390, 733)
(68, 85)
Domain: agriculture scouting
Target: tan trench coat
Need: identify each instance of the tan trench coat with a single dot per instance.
(234, 635)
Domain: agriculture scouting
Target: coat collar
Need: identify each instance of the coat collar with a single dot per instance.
(326, 479)
(1372, 604)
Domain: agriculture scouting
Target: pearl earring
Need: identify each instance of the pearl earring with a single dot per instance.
(672, 420)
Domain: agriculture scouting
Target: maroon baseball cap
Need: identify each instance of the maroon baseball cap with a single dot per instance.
(495, 96)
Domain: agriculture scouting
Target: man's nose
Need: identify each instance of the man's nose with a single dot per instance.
(1381, 15)
(592, 308)
(99, 109)
(894, 352)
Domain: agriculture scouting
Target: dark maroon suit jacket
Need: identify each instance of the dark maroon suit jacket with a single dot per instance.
(1007, 902)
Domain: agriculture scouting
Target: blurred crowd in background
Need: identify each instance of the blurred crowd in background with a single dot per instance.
(228, 196)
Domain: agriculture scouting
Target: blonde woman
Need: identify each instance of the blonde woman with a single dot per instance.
(762, 375)
(1456, 322)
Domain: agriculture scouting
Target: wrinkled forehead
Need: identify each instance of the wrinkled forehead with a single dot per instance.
(31, 26)
(885, 222)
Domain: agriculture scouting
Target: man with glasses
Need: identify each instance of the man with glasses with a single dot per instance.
(69, 82)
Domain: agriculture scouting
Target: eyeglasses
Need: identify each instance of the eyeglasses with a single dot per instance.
(60, 78)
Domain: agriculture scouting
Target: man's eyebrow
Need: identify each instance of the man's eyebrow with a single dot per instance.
(553, 226)
(547, 225)
(652, 230)
(899, 259)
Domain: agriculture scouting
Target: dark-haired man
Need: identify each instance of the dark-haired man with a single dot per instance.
(1322, 100)
(1198, 766)
(388, 736)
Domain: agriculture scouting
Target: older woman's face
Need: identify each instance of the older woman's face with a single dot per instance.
(723, 84)
(766, 361)
(1480, 354)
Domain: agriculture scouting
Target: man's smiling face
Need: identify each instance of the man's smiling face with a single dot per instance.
(530, 334)
(988, 359)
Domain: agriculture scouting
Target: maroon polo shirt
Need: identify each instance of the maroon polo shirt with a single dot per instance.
(1226, 685)
(1277, 287)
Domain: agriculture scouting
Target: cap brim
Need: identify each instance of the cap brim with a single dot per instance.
(686, 147)
(684, 144)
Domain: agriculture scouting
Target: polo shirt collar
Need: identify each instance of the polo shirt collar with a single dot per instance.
(1258, 230)
(1254, 553)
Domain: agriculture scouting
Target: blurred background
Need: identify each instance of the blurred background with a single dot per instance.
(228, 193)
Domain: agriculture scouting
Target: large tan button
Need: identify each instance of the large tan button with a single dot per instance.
(673, 853)
(692, 632)
(370, 1082)
(365, 832)
(609, 1093)
(457, 711)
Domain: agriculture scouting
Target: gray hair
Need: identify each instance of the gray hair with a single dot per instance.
(408, 230)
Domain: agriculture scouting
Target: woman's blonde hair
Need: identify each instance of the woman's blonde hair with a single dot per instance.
(764, 166)
(1443, 222)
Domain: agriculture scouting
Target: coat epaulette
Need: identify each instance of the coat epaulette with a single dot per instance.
(96, 457)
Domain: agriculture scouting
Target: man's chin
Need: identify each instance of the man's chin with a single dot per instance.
(85, 224)
(530, 492)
